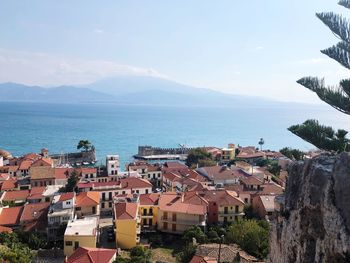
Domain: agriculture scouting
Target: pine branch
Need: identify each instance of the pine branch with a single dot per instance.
(345, 3)
(339, 53)
(323, 137)
(333, 96)
(337, 24)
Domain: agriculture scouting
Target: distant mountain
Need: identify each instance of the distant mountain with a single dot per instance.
(132, 90)
(19, 92)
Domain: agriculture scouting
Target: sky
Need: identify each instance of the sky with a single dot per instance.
(254, 47)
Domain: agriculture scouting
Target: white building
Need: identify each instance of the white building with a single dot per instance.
(112, 164)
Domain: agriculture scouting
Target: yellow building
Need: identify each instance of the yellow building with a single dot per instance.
(127, 225)
(228, 154)
(148, 211)
(80, 233)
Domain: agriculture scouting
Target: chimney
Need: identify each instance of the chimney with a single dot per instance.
(182, 197)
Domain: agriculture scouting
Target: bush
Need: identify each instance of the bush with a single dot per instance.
(186, 254)
(194, 232)
(251, 235)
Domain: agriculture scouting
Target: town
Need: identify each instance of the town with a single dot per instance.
(116, 213)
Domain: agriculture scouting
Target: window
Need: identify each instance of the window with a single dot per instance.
(173, 228)
(110, 204)
(165, 215)
(103, 205)
(237, 209)
(123, 192)
(69, 243)
(174, 217)
(68, 203)
(78, 208)
(86, 175)
(151, 211)
(144, 212)
(225, 210)
(146, 191)
(103, 196)
(110, 195)
(76, 245)
(245, 200)
(165, 225)
(144, 221)
(137, 191)
(112, 165)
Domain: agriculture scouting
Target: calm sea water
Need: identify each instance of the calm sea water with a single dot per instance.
(116, 129)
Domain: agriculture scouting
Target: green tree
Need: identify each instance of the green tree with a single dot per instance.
(324, 137)
(140, 254)
(251, 235)
(85, 145)
(293, 154)
(194, 232)
(261, 143)
(71, 182)
(121, 260)
(186, 254)
(200, 157)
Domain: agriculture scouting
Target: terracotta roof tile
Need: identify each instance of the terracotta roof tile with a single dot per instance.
(15, 195)
(149, 199)
(90, 198)
(33, 212)
(173, 202)
(124, 211)
(66, 196)
(9, 184)
(11, 215)
(92, 255)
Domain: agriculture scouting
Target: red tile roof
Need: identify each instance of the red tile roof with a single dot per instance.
(62, 173)
(15, 195)
(133, 182)
(11, 215)
(126, 210)
(201, 259)
(25, 165)
(42, 162)
(149, 199)
(66, 196)
(222, 197)
(34, 212)
(4, 177)
(9, 184)
(251, 180)
(173, 202)
(90, 198)
(92, 255)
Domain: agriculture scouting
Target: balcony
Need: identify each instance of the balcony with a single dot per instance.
(148, 215)
(184, 222)
(230, 213)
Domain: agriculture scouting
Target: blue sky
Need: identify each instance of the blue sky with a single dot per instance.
(252, 47)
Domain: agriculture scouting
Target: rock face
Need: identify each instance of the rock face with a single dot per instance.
(315, 223)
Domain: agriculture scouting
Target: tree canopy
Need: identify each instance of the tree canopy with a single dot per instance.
(200, 157)
(324, 137)
(85, 145)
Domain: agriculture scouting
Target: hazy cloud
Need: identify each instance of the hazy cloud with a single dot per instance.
(44, 69)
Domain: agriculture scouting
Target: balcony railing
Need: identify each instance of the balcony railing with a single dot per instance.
(184, 222)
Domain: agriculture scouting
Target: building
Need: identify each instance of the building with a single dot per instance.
(178, 212)
(10, 216)
(112, 164)
(148, 211)
(220, 175)
(108, 190)
(127, 224)
(61, 211)
(151, 172)
(228, 154)
(34, 217)
(203, 259)
(264, 205)
(92, 255)
(223, 206)
(18, 197)
(87, 204)
(80, 233)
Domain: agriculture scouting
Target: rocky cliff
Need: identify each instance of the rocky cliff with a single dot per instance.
(314, 225)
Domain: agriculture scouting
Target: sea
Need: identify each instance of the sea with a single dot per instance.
(120, 129)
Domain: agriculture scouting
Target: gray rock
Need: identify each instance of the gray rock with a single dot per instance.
(315, 225)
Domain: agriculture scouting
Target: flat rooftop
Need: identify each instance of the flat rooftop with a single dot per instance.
(82, 227)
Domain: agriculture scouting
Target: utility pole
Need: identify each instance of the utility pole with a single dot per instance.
(221, 240)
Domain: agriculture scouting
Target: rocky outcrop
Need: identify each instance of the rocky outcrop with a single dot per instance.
(314, 225)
